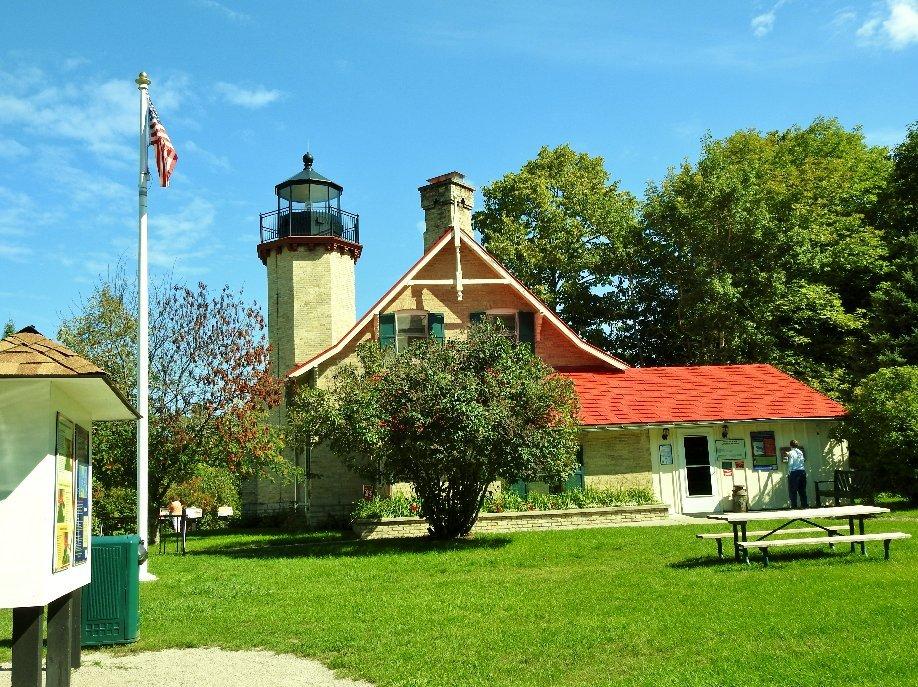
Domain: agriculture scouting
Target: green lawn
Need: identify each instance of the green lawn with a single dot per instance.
(624, 606)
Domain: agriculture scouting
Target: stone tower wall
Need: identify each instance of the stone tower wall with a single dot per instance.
(311, 304)
(447, 202)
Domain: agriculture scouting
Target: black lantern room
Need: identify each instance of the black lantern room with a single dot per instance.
(309, 204)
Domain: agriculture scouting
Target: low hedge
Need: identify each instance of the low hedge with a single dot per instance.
(511, 501)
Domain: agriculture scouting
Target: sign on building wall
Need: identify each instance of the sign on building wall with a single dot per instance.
(666, 454)
(730, 449)
(63, 496)
(82, 527)
(764, 451)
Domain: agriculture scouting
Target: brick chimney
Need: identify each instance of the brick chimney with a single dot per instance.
(447, 202)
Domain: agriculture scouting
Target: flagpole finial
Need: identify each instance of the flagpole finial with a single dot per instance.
(142, 80)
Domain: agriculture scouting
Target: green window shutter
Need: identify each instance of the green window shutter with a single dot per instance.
(575, 481)
(526, 323)
(476, 317)
(387, 330)
(519, 488)
(435, 326)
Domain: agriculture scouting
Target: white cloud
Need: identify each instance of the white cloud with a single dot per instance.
(227, 12)
(11, 148)
(251, 98)
(763, 24)
(843, 18)
(99, 114)
(218, 162)
(896, 28)
(72, 63)
(182, 235)
(14, 253)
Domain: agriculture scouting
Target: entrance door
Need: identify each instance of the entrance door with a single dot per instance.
(699, 488)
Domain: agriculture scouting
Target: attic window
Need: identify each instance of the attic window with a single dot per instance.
(400, 329)
(409, 326)
(519, 325)
(508, 320)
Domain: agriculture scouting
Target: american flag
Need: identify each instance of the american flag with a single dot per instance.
(166, 157)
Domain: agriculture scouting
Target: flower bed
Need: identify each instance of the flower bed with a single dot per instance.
(512, 502)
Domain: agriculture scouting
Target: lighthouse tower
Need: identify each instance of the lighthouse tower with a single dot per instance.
(310, 247)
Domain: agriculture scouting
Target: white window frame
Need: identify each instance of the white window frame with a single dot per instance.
(507, 311)
(411, 313)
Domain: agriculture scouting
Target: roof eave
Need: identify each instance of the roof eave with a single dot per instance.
(694, 423)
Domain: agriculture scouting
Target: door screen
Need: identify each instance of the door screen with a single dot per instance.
(698, 466)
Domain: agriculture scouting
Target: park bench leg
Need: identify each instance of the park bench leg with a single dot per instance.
(27, 622)
(886, 543)
(736, 549)
(851, 530)
(720, 549)
(765, 556)
(861, 529)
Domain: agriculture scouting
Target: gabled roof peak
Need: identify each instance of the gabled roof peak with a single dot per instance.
(458, 238)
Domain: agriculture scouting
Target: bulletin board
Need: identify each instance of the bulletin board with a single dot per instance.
(730, 449)
(764, 451)
(64, 500)
(82, 526)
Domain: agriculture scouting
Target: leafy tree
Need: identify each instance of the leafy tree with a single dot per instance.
(882, 429)
(895, 301)
(567, 232)
(453, 418)
(8, 328)
(210, 388)
(762, 252)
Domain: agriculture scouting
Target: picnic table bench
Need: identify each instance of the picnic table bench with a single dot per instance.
(742, 545)
(765, 544)
(720, 536)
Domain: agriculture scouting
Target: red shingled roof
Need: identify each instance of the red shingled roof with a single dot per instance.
(717, 393)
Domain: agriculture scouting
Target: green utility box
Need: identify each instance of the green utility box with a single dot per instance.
(110, 600)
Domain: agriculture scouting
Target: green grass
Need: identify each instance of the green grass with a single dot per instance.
(624, 606)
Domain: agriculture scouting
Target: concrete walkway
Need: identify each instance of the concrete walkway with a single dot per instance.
(199, 668)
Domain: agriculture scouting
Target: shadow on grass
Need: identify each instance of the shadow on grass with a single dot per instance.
(774, 556)
(305, 547)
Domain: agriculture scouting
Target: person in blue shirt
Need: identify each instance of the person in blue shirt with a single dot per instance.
(796, 475)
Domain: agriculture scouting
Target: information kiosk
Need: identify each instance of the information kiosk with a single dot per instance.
(49, 398)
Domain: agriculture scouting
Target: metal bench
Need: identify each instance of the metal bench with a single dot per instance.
(844, 485)
(765, 544)
(720, 536)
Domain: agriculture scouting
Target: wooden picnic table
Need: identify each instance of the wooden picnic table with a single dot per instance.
(805, 515)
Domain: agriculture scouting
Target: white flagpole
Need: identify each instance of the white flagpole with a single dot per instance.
(143, 346)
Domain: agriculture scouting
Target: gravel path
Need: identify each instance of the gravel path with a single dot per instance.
(199, 668)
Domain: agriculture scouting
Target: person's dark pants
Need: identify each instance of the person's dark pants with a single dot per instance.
(797, 482)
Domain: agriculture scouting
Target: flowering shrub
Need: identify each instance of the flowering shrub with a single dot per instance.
(395, 507)
(511, 501)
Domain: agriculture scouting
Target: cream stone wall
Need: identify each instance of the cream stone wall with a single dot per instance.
(766, 489)
(446, 204)
(617, 459)
(311, 305)
(530, 521)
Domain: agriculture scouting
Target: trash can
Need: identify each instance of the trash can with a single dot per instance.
(110, 600)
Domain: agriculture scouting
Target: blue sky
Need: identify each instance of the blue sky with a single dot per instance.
(386, 95)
